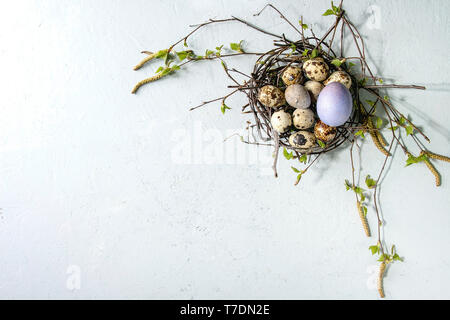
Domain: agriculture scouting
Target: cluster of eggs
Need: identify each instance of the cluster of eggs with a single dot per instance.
(330, 93)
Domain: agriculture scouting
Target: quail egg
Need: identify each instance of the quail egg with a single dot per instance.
(297, 96)
(316, 69)
(314, 88)
(271, 96)
(303, 118)
(281, 121)
(302, 139)
(292, 75)
(340, 76)
(324, 132)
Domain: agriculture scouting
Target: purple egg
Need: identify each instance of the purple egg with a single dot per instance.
(334, 105)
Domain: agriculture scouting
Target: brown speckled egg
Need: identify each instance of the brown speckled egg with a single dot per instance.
(292, 75)
(314, 88)
(316, 69)
(281, 121)
(324, 132)
(340, 76)
(271, 96)
(303, 118)
(302, 139)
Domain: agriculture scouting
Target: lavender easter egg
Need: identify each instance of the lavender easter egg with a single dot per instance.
(334, 105)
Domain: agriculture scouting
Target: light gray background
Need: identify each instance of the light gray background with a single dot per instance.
(90, 188)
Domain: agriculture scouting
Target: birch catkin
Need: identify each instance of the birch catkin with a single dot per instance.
(376, 137)
(380, 279)
(145, 81)
(143, 62)
(363, 218)
(437, 156)
(433, 170)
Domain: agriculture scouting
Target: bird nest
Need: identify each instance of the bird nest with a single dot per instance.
(268, 70)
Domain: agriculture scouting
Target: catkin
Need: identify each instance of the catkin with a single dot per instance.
(145, 81)
(376, 137)
(432, 169)
(363, 218)
(380, 279)
(143, 62)
(381, 138)
(437, 156)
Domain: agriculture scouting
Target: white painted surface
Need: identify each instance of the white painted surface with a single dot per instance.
(94, 205)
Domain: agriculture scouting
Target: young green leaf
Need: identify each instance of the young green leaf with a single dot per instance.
(370, 183)
(287, 155)
(336, 62)
(374, 249)
(295, 170)
(224, 108)
(360, 133)
(411, 159)
(329, 12)
(348, 186)
(314, 54)
(303, 158)
(236, 46)
(379, 123)
(321, 144)
(409, 130)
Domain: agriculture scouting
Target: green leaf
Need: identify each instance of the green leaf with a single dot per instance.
(370, 103)
(336, 62)
(394, 128)
(374, 249)
(379, 122)
(402, 120)
(360, 133)
(295, 170)
(351, 64)
(161, 54)
(411, 159)
(299, 176)
(364, 208)
(370, 183)
(314, 54)
(208, 52)
(329, 12)
(303, 158)
(224, 108)
(409, 130)
(386, 98)
(380, 81)
(185, 43)
(305, 52)
(159, 69)
(287, 155)
(321, 144)
(348, 186)
(396, 257)
(304, 26)
(236, 46)
(183, 54)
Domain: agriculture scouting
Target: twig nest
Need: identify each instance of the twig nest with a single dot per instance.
(271, 96)
(302, 139)
(297, 96)
(303, 118)
(316, 69)
(324, 132)
(292, 75)
(281, 121)
(341, 77)
(334, 105)
(314, 88)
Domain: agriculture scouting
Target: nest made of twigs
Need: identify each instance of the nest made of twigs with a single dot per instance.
(268, 70)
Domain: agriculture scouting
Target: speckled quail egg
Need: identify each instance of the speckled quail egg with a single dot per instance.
(292, 75)
(297, 96)
(316, 69)
(314, 88)
(271, 96)
(324, 132)
(303, 118)
(281, 121)
(340, 76)
(302, 139)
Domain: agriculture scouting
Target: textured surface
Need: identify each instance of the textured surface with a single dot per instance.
(108, 195)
